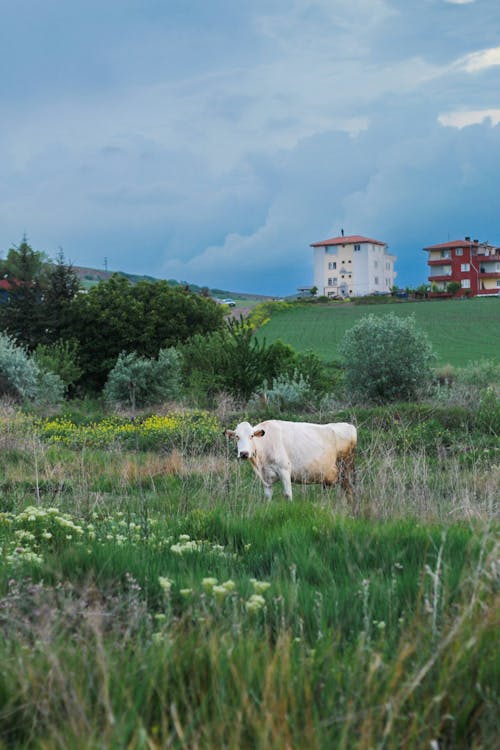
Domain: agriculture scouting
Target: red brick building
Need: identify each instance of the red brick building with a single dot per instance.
(474, 265)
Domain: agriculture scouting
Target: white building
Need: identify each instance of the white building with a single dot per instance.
(352, 267)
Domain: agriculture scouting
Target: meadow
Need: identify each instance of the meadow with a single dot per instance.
(460, 330)
(150, 597)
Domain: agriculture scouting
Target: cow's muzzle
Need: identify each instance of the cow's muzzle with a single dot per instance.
(244, 454)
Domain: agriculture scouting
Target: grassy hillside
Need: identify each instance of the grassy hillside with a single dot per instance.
(461, 331)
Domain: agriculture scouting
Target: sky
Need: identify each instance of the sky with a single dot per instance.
(212, 141)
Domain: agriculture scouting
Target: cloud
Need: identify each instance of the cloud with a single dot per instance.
(481, 60)
(464, 118)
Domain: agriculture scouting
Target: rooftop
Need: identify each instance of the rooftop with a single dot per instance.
(350, 239)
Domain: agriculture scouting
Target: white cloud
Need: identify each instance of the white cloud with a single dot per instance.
(480, 60)
(463, 118)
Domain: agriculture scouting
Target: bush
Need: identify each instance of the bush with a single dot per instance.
(138, 381)
(286, 392)
(386, 358)
(60, 358)
(22, 379)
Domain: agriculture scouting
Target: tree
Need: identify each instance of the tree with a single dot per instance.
(386, 358)
(60, 286)
(117, 316)
(20, 314)
(453, 287)
(39, 295)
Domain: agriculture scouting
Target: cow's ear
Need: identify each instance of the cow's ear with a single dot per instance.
(259, 433)
(229, 433)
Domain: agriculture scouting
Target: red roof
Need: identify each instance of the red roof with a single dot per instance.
(347, 240)
(453, 243)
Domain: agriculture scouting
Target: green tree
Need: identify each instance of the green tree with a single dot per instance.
(60, 286)
(386, 358)
(453, 287)
(116, 316)
(20, 314)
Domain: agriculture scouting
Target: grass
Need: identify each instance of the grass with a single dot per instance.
(327, 627)
(460, 331)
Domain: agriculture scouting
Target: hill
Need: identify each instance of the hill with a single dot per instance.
(461, 331)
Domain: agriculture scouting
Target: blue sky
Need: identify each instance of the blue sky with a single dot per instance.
(213, 140)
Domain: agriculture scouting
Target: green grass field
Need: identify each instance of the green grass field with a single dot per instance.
(460, 331)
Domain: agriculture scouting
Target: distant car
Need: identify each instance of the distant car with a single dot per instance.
(228, 301)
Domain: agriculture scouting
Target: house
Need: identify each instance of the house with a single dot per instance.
(352, 266)
(474, 265)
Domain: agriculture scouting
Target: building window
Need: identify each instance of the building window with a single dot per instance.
(459, 251)
(330, 282)
(375, 263)
(465, 283)
(445, 253)
(498, 282)
(388, 266)
(357, 248)
(332, 265)
(465, 267)
(376, 279)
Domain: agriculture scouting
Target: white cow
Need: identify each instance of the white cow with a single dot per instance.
(298, 452)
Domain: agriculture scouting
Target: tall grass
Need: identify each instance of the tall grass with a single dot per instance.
(327, 624)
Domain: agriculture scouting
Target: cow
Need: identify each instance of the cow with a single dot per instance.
(300, 452)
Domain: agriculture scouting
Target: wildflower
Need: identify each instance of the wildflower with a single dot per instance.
(165, 584)
(229, 585)
(184, 538)
(255, 603)
(186, 593)
(260, 587)
(160, 617)
(220, 593)
(208, 584)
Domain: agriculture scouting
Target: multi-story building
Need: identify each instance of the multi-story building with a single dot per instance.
(352, 267)
(472, 264)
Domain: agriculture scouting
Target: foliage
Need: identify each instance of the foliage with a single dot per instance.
(386, 359)
(453, 287)
(36, 308)
(21, 378)
(286, 393)
(60, 358)
(233, 361)
(116, 316)
(139, 381)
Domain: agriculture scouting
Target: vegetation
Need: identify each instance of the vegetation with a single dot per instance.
(386, 359)
(149, 596)
(460, 331)
(137, 381)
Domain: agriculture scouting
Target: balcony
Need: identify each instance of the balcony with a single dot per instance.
(440, 277)
(439, 262)
(484, 273)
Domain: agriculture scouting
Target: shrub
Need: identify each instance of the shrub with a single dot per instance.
(60, 358)
(386, 358)
(21, 378)
(286, 392)
(139, 381)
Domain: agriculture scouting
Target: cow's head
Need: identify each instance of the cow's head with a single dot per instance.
(244, 433)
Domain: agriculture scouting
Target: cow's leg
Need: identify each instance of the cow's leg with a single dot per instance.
(347, 475)
(286, 481)
(268, 491)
